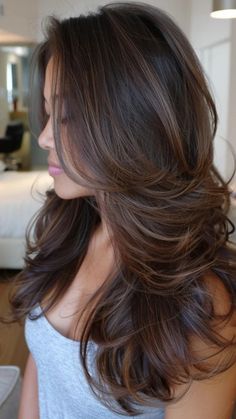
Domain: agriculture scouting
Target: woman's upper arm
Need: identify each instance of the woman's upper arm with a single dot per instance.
(208, 399)
(29, 408)
(212, 398)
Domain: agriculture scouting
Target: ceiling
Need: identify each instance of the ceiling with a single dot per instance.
(11, 38)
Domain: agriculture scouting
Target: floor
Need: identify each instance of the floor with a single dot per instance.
(13, 348)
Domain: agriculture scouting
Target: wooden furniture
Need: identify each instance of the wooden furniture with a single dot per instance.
(13, 348)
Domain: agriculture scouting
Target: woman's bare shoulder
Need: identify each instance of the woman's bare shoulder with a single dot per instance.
(221, 297)
(215, 396)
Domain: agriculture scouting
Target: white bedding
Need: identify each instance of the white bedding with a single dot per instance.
(20, 199)
(21, 196)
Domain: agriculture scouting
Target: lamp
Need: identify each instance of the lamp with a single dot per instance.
(224, 9)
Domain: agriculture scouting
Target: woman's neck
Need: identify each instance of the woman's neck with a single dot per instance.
(99, 260)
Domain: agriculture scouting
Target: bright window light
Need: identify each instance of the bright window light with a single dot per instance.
(9, 82)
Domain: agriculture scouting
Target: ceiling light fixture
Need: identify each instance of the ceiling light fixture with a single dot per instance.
(224, 9)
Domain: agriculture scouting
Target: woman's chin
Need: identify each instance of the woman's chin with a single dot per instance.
(70, 193)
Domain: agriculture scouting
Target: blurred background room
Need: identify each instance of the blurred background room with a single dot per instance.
(23, 163)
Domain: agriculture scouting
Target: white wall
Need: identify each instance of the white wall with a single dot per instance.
(204, 30)
(232, 94)
(20, 17)
(215, 44)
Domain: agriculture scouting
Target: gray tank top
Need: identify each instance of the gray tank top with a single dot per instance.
(63, 390)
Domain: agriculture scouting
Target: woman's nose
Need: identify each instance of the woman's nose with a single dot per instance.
(46, 138)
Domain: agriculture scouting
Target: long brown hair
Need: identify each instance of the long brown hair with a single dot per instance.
(140, 123)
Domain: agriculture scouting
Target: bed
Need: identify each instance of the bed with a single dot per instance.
(21, 196)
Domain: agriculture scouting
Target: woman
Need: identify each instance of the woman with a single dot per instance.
(129, 284)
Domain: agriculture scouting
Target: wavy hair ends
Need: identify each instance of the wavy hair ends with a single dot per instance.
(140, 124)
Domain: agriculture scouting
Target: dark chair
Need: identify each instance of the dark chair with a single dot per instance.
(12, 141)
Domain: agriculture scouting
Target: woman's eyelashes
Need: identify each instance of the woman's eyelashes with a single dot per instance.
(64, 120)
(61, 119)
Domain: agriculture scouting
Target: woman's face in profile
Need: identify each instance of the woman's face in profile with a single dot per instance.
(64, 186)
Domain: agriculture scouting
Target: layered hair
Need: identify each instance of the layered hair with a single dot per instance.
(140, 121)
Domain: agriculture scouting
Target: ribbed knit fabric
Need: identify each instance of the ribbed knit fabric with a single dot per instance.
(63, 390)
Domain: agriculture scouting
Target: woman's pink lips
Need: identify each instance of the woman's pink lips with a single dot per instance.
(55, 170)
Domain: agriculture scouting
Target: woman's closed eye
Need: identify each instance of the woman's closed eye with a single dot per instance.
(64, 120)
